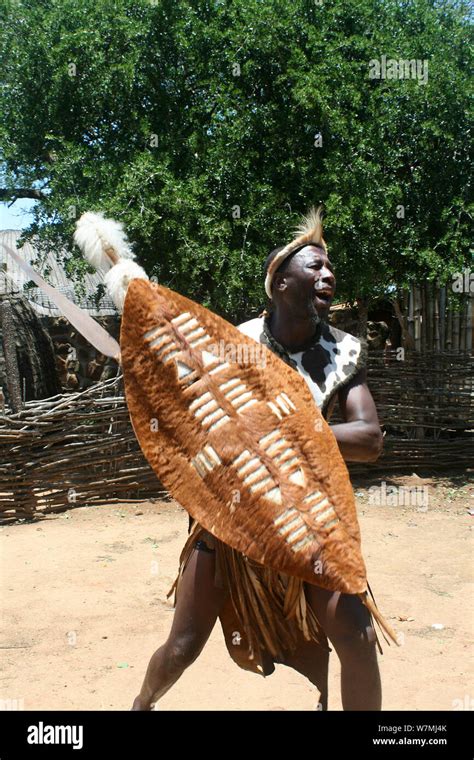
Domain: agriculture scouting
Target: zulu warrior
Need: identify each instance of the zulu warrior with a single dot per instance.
(268, 615)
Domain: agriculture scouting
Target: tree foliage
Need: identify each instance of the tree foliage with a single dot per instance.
(208, 126)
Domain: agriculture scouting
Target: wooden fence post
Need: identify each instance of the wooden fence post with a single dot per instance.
(11, 362)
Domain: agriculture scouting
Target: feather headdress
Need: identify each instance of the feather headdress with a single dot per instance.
(309, 231)
(104, 244)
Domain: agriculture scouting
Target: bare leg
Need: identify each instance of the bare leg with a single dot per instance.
(312, 661)
(197, 607)
(346, 623)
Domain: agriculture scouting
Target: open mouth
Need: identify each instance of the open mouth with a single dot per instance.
(324, 295)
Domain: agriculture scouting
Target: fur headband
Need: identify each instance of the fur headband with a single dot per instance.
(310, 231)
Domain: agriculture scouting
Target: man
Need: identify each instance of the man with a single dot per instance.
(273, 617)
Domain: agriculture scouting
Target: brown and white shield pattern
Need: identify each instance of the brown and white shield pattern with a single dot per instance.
(240, 444)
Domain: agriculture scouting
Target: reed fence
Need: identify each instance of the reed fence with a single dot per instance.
(78, 449)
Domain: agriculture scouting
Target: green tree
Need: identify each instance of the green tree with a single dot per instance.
(208, 126)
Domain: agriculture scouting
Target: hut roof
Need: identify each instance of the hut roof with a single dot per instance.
(15, 281)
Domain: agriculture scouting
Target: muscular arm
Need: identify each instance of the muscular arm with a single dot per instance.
(359, 436)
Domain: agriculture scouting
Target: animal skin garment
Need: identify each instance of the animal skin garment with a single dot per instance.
(237, 439)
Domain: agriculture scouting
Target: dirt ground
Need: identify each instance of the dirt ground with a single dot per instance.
(83, 598)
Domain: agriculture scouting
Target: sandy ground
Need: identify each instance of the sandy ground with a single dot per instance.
(83, 598)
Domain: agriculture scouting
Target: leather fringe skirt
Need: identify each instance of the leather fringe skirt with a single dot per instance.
(265, 615)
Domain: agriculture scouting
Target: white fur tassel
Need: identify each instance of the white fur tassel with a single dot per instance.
(97, 236)
(118, 279)
(104, 244)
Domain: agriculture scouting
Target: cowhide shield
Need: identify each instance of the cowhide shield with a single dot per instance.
(234, 435)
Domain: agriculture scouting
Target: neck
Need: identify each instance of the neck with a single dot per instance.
(292, 331)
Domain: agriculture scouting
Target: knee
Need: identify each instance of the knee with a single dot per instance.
(352, 629)
(355, 641)
(182, 651)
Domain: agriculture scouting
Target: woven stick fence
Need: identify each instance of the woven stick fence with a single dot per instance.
(78, 449)
(432, 323)
(72, 450)
(425, 403)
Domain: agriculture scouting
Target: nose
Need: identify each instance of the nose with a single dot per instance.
(325, 276)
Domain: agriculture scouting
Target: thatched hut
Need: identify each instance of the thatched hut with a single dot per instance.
(43, 353)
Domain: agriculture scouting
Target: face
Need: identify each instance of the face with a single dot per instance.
(308, 282)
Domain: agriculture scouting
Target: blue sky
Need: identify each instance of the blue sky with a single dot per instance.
(18, 216)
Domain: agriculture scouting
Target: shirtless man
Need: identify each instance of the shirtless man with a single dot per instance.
(302, 290)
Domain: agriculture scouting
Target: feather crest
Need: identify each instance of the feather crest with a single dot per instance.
(310, 229)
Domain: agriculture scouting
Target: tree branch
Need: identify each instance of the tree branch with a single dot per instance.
(12, 194)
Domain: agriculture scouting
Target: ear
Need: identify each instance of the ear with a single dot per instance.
(279, 281)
